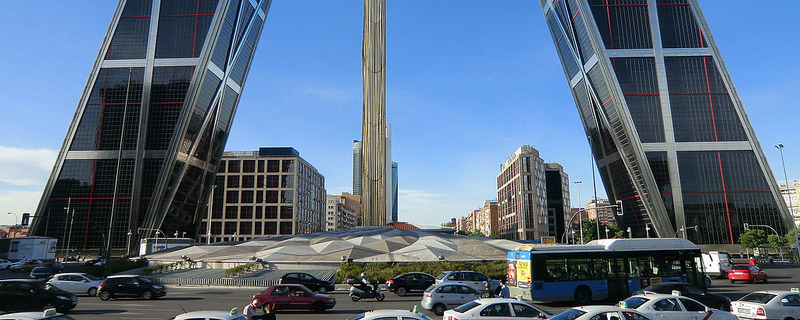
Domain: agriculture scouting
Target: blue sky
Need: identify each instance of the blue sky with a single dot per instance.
(468, 82)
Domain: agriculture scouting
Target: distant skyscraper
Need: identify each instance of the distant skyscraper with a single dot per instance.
(266, 193)
(357, 149)
(394, 192)
(557, 185)
(667, 129)
(373, 130)
(521, 196)
(151, 125)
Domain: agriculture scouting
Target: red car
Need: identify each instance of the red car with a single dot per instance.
(295, 296)
(747, 272)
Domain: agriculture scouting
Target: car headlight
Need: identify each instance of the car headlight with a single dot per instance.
(63, 297)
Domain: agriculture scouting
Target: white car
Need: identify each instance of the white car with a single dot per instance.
(495, 309)
(5, 264)
(769, 304)
(443, 296)
(390, 315)
(599, 313)
(474, 279)
(673, 307)
(76, 283)
(49, 314)
(211, 315)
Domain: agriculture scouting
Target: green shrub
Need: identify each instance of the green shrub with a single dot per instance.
(495, 269)
(232, 272)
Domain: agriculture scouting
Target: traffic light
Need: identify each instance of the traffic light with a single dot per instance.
(746, 226)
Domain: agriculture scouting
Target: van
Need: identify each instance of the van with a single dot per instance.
(717, 263)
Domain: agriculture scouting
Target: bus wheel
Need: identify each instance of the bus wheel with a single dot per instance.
(583, 295)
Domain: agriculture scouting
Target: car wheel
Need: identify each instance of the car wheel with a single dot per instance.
(754, 280)
(323, 290)
(318, 306)
(147, 295)
(583, 295)
(438, 309)
(105, 295)
(732, 281)
(765, 278)
(401, 291)
(92, 291)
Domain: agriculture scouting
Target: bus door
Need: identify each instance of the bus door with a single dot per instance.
(616, 272)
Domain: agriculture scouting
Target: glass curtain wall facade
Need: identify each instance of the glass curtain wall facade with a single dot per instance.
(143, 146)
(668, 132)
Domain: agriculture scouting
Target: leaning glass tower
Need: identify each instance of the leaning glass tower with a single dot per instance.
(141, 152)
(667, 129)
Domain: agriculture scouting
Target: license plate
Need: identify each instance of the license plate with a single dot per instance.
(743, 310)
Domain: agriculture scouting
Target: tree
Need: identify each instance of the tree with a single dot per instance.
(789, 237)
(777, 242)
(753, 239)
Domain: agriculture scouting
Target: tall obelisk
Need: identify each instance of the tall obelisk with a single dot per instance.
(373, 127)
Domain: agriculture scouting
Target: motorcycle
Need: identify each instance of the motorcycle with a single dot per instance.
(363, 291)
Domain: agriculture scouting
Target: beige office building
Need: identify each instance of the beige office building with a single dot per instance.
(266, 193)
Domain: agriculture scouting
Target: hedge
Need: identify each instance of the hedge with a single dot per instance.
(116, 266)
(380, 272)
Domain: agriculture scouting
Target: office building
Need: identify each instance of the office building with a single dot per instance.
(521, 196)
(791, 196)
(357, 167)
(266, 193)
(603, 211)
(558, 201)
(667, 129)
(337, 214)
(374, 175)
(149, 130)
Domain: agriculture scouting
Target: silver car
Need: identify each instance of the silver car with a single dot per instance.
(76, 283)
(444, 296)
(474, 279)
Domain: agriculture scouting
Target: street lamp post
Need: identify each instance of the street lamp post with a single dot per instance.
(647, 229)
(16, 218)
(684, 230)
(128, 246)
(629, 233)
(791, 209)
(606, 232)
(578, 183)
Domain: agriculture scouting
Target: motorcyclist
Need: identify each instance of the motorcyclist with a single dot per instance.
(366, 286)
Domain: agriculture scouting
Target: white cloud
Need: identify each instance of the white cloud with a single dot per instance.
(23, 167)
(17, 201)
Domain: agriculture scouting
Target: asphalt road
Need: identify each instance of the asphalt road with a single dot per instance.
(193, 298)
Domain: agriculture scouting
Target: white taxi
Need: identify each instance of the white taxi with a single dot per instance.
(673, 306)
(49, 314)
(211, 315)
(768, 304)
(390, 314)
(495, 308)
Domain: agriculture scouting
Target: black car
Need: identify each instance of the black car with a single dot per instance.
(129, 286)
(410, 282)
(55, 265)
(692, 291)
(32, 295)
(43, 272)
(311, 282)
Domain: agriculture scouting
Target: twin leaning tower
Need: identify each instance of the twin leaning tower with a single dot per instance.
(666, 127)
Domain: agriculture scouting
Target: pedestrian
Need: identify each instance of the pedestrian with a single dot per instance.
(269, 312)
(251, 311)
(487, 292)
(504, 289)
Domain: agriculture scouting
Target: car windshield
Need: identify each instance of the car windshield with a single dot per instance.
(441, 276)
(569, 314)
(758, 297)
(91, 277)
(145, 280)
(466, 307)
(633, 302)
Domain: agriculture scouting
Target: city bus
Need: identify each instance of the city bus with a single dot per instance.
(602, 269)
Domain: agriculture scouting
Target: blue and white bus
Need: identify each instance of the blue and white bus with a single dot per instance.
(601, 269)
